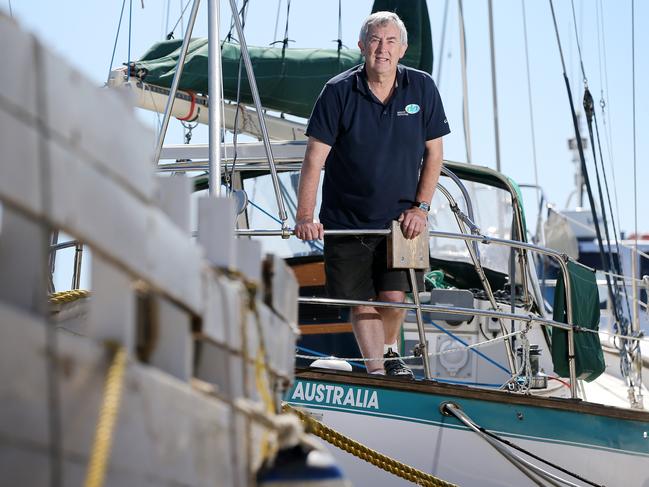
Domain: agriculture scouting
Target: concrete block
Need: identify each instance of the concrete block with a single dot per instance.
(23, 262)
(174, 263)
(173, 348)
(271, 339)
(97, 209)
(284, 288)
(20, 172)
(233, 295)
(112, 308)
(174, 199)
(18, 80)
(241, 447)
(214, 324)
(90, 120)
(213, 364)
(216, 218)
(252, 334)
(249, 259)
(23, 408)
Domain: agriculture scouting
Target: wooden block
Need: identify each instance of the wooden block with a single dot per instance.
(407, 254)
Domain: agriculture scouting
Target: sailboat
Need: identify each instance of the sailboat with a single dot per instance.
(509, 392)
(487, 409)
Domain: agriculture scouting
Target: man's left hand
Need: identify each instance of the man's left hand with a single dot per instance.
(413, 222)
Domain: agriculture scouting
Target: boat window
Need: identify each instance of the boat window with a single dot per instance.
(263, 213)
(493, 214)
(492, 209)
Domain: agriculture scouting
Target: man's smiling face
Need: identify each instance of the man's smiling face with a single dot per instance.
(382, 49)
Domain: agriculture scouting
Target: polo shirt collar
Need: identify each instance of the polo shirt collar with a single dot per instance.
(361, 78)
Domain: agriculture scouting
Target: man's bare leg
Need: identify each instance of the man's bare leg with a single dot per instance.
(376, 327)
(367, 324)
(392, 317)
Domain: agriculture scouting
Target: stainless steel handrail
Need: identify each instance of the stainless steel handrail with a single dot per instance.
(561, 259)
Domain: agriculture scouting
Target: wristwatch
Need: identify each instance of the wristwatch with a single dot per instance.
(422, 205)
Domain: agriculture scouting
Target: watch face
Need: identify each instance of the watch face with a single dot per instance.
(424, 206)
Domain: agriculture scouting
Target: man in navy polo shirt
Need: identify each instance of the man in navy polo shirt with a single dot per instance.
(377, 130)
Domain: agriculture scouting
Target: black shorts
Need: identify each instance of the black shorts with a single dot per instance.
(356, 267)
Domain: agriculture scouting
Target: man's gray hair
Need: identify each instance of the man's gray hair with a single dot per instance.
(381, 19)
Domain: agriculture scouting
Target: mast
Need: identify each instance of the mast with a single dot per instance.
(214, 95)
(494, 91)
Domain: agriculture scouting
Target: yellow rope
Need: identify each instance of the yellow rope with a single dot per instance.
(367, 454)
(68, 296)
(107, 418)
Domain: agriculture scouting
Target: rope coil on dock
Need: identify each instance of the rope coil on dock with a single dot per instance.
(365, 453)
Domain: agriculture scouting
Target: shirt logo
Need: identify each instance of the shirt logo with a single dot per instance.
(412, 108)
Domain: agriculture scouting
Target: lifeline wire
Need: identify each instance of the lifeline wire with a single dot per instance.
(412, 357)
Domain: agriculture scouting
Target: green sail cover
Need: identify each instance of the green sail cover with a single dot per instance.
(289, 80)
(589, 358)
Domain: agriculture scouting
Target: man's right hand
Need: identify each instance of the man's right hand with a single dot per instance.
(308, 229)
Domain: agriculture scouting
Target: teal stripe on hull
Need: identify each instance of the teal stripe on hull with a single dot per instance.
(512, 420)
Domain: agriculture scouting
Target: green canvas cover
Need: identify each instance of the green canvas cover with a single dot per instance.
(289, 80)
(589, 358)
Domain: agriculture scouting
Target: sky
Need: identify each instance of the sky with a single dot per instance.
(84, 33)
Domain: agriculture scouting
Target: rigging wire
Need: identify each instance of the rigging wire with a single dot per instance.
(170, 35)
(279, 8)
(580, 146)
(590, 114)
(340, 26)
(119, 25)
(529, 100)
(627, 353)
(11, 12)
(635, 160)
(603, 105)
(182, 19)
(130, 30)
(165, 19)
(465, 95)
(441, 47)
(243, 12)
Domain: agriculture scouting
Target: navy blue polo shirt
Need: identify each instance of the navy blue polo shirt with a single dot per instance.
(372, 170)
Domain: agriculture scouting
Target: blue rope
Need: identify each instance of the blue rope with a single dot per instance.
(488, 359)
(313, 244)
(320, 354)
(265, 212)
(469, 383)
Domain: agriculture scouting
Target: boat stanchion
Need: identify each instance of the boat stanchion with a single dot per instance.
(411, 254)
